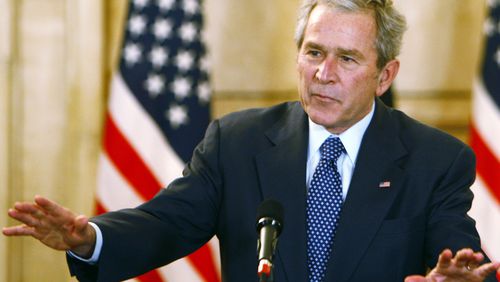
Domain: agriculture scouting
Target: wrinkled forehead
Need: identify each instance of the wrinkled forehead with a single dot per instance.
(327, 20)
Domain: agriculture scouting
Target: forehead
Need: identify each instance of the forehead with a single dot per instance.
(332, 26)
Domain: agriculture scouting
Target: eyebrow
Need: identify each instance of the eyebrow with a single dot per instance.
(350, 52)
(313, 45)
(339, 50)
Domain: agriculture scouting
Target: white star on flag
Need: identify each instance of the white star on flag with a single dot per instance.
(165, 5)
(497, 57)
(158, 56)
(177, 116)
(188, 32)
(162, 29)
(181, 87)
(204, 92)
(141, 3)
(137, 24)
(184, 60)
(205, 63)
(489, 27)
(492, 3)
(190, 6)
(132, 53)
(155, 84)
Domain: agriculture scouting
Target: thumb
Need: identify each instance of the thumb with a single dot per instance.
(81, 223)
(415, 278)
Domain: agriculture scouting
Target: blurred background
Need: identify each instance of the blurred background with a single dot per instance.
(57, 58)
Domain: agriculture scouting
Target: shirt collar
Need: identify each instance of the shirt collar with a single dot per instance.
(351, 138)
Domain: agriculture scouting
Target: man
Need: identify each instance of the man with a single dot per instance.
(402, 187)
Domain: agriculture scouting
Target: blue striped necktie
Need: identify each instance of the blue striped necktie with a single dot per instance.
(324, 204)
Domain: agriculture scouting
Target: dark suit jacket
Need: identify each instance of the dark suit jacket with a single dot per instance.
(384, 234)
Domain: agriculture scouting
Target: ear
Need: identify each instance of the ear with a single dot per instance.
(387, 76)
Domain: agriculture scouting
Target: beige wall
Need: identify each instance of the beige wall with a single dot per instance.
(442, 45)
(56, 57)
(5, 55)
(52, 99)
(252, 45)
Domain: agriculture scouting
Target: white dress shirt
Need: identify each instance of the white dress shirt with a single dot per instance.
(351, 139)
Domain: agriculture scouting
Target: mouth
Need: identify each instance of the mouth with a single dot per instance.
(324, 98)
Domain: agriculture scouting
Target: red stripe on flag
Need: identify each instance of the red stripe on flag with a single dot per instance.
(128, 162)
(204, 263)
(488, 166)
(133, 168)
(99, 208)
(152, 276)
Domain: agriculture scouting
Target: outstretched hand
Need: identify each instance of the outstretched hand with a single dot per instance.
(53, 225)
(465, 266)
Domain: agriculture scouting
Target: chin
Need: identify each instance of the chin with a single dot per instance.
(322, 119)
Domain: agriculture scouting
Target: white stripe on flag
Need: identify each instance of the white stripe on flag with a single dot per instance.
(113, 191)
(142, 133)
(180, 271)
(214, 246)
(486, 117)
(487, 211)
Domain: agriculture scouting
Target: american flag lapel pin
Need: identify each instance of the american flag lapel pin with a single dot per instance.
(384, 184)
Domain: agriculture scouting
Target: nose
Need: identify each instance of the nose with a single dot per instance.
(327, 71)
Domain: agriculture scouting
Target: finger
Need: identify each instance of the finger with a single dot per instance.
(488, 268)
(28, 213)
(30, 208)
(477, 258)
(415, 278)
(464, 257)
(57, 212)
(25, 218)
(20, 230)
(445, 258)
(48, 205)
(26, 207)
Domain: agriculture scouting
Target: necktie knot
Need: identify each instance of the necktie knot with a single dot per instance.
(331, 149)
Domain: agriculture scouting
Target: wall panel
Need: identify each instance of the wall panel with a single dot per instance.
(56, 114)
(6, 15)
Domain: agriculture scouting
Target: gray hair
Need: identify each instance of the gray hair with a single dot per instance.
(391, 24)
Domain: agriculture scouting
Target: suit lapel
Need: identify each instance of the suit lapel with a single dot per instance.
(375, 182)
(281, 171)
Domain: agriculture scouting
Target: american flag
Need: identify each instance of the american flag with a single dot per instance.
(157, 112)
(485, 137)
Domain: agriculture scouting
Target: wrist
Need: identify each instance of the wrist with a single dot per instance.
(86, 249)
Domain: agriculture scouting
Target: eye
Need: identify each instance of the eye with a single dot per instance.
(347, 59)
(314, 53)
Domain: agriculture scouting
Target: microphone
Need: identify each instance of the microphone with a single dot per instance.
(269, 226)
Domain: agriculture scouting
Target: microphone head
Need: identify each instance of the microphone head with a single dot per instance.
(272, 210)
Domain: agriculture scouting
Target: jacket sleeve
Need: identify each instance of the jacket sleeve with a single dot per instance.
(175, 223)
(449, 225)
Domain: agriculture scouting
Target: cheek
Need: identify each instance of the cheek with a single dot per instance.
(363, 85)
(304, 82)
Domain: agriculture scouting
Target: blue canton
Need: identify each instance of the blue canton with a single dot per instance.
(164, 63)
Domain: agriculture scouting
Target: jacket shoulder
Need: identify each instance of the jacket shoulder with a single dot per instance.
(419, 136)
(258, 118)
